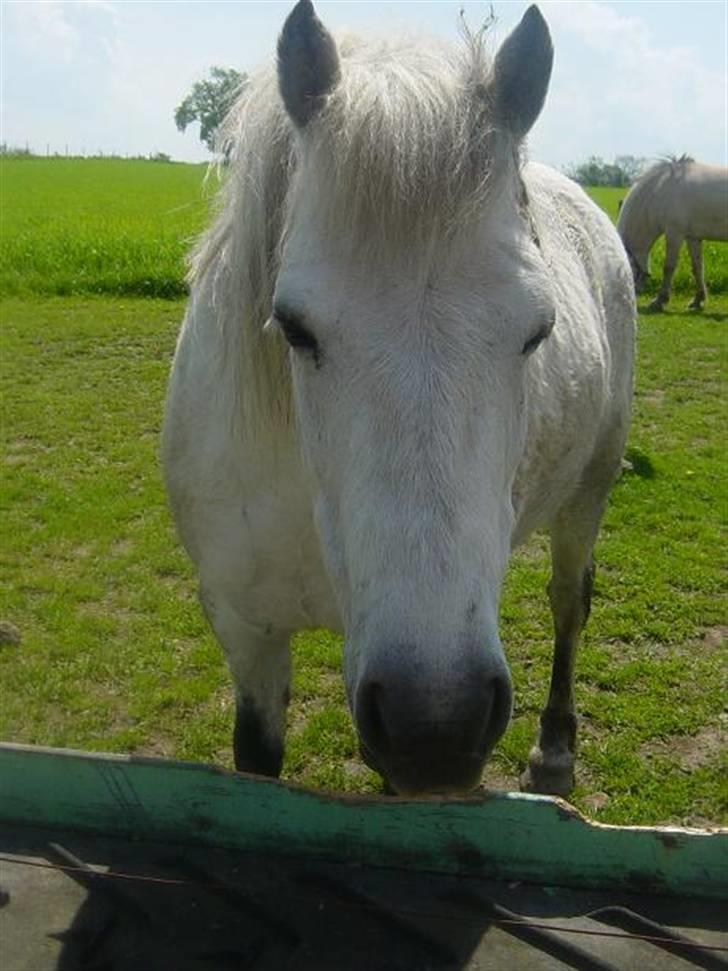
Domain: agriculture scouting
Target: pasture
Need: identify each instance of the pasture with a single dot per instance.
(98, 225)
(111, 226)
(115, 654)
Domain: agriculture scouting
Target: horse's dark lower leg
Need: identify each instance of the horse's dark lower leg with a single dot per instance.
(551, 762)
(695, 248)
(259, 660)
(255, 749)
(573, 534)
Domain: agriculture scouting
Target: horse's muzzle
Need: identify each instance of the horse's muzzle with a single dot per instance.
(432, 736)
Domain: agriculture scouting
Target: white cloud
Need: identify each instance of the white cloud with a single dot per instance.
(650, 99)
(41, 30)
(59, 31)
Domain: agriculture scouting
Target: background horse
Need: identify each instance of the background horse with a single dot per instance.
(403, 352)
(683, 199)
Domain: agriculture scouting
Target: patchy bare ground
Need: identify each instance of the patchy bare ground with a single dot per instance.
(715, 637)
(691, 752)
(9, 634)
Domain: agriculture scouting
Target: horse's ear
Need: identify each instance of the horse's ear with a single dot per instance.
(308, 63)
(521, 73)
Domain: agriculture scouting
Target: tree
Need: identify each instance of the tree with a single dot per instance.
(620, 173)
(631, 166)
(209, 102)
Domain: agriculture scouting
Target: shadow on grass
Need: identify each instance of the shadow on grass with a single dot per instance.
(637, 462)
(164, 288)
(647, 310)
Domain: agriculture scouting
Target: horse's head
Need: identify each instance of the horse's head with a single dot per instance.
(412, 292)
(637, 234)
(640, 267)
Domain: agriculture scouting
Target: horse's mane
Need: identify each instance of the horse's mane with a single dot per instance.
(640, 196)
(667, 167)
(405, 145)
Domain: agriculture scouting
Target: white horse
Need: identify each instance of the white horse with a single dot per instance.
(684, 200)
(403, 352)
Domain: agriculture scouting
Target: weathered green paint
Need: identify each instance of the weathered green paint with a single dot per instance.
(500, 835)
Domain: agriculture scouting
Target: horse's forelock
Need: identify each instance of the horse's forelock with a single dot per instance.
(406, 144)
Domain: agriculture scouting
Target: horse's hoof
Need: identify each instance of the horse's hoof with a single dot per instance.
(695, 306)
(549, 774)
(655, 307)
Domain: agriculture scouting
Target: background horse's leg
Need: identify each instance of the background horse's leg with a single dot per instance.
(672, 252)
(259, 661)
(695, 248)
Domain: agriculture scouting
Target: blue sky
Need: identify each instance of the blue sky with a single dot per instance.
(640, 78)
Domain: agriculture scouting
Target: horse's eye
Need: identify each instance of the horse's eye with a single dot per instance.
(533, 342)
(295, 333)
(541, 334)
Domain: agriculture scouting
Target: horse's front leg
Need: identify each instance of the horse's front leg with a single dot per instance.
(695, 248)
(672, 252)
(551, 760)
(259, 660)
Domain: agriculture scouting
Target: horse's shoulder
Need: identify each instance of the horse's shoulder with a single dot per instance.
(550, 188)
(561, 208)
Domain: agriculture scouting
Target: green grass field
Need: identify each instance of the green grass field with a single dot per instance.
(115, 654)
(95, 226)
(72, 226)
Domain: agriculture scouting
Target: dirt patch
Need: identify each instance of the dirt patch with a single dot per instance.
(595, 802)
(535, 550)
(158, 748)
(712, 640)
(9, 634)
(715, 637)
(691, 752)
(165, 747)
(106, 609)
(17, 458)
(27, 445)
(495, 777)
(121, 547)
(356, 770)
(655, 396)
(181, 586)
